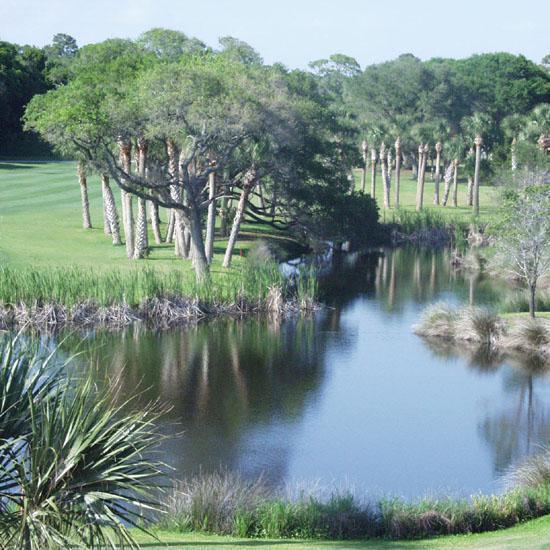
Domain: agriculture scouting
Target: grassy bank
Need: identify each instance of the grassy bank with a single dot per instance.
(533, 534)
(48, 259)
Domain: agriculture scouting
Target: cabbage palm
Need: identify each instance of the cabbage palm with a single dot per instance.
(125, 150)
(364, 152)
(397, 169)
(141, 243)
(385, 175)
(74, 470)
(111, 213)
(82, 180)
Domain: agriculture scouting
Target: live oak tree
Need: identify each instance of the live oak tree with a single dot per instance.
(523, 235)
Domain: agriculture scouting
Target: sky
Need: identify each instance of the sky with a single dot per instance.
(296, 32)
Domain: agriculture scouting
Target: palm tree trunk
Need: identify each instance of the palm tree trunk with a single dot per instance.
(478, 142)
(438, 148)
(248, 185)
(365, 150)
(422, 156)
(470, 191)
(106, 224)
(155, 221)
(455, 183)
(373, 173)
(385, 175)
(397, 169)
(141, 244)
(447, 178)
(176, 196)
(110, 209)
(81, 171)
(125, 146)
(211, 219)
(170, 230)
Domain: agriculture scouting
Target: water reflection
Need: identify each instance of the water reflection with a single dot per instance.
(349, 394)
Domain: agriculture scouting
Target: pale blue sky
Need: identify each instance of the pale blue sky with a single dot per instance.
(296, 32)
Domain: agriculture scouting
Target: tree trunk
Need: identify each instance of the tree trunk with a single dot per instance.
(211, 219)
(373, 173)
(125, 147)
(470, 191)
(513, 156)
(532, 300)
(106, 223)
(248, 185)
(155, 221)
(198, 255)
(447, 178)
(438, 148)
(170, 229)
(141, 244)
(422, 156)
(176, 196)
(110, 209)
(478, 142)
(385, 176)
(397, 170)
(81, 170)
(455, 183)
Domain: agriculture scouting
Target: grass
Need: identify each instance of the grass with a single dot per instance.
(407, 199)
(530, 535)
(41, 224)
(227, 504)
(45, 254)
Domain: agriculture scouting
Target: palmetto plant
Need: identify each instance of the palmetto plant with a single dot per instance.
(79, 473)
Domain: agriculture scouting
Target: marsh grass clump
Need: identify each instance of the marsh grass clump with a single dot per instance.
(438, 320)
(532, 472)
(226, 503)
(212, 502)
(531, 335)
(477, 324)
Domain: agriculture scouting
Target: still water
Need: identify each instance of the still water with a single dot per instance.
(348, 397)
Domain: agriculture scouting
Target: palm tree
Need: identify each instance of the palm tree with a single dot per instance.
(423, 151)
(211, 219)
(385, 175)
(155, 221)
(141, 244)
(110, 210)
(438, 149)
(514, 127)
(82, 180)
(478, 142)
(249, 181)
(397, 169)
(125, 150)
(454, 149)
(373, 158)
(475, 127)
(364, 151)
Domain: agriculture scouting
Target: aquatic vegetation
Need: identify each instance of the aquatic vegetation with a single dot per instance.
(226, 503)
(534, 471)
(86, 297)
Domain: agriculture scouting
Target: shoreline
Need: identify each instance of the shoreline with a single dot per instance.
(156, 313)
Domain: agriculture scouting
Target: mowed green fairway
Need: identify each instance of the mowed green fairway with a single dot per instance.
(41, 223)
(531, 535)
(488, 197)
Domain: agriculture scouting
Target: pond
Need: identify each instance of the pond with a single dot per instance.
(348, 397)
